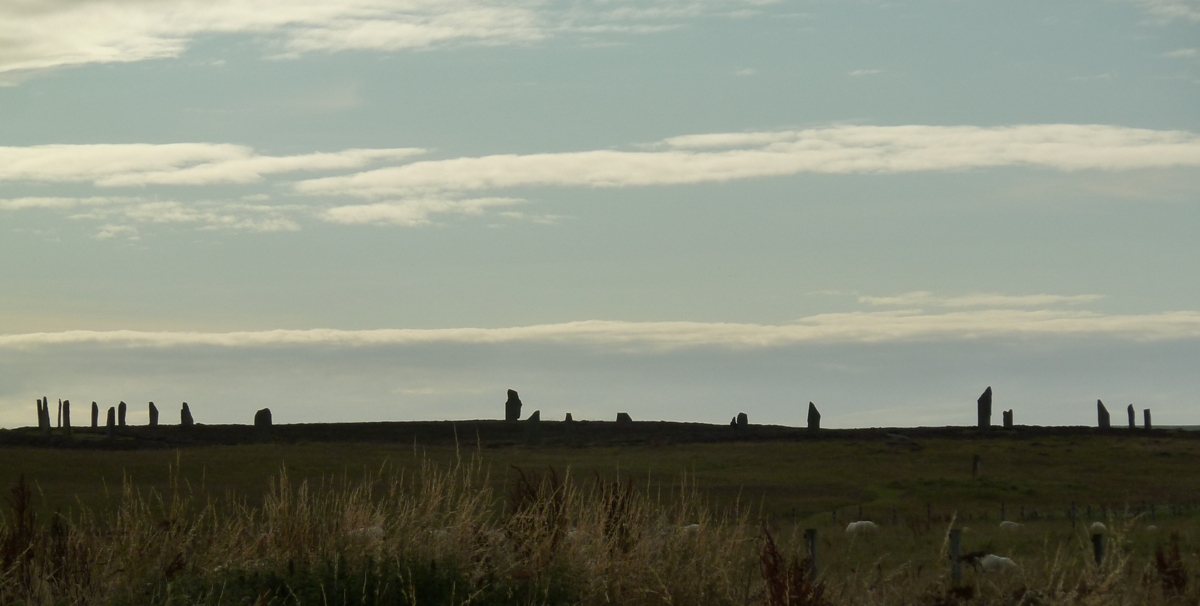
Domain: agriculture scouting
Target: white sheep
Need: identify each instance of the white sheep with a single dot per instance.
(861, 526)
(1010, 525)
(994, 563)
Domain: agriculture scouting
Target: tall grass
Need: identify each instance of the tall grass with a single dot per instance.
(435, 535)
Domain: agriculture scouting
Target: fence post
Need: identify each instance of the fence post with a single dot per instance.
(1098, 547)
(810, 542)
(956, 556)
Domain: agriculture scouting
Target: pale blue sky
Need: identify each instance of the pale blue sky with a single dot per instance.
(679, 209)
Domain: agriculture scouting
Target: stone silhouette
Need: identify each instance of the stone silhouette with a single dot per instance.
(1146, 418)
(43, 417)
(185, 417)
(121, 414)
(985, 409)
(95, 415)
(623, 417)
(1102, 415)
(1132, 417)
(743, 420)
(533, 428)
(568, 419)
(66, 416)
(262, 424)
(111, 422)
(153, 415)
(58, 424)
(733, 421)
(512, 408)
(1008, 419)
(814, 417)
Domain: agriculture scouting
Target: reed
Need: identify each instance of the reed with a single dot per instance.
(434, 534)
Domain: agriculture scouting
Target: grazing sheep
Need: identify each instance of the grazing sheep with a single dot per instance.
(1097, 528)
(861, 526)
(1010, 525)
(988, 562)
(994, 563)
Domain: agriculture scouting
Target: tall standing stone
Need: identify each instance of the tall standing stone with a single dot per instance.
(95, 415)
(985, 409)
(1008, 419)
(121, 414)
(185, 417)
(66, 416)
(814, 417)
(1102, 415)
(44, 415)
(59, 423)
(153, 415)
(1146, 417)
(512, 408)
(1132, 417)
(262, 424)
(533, 428)
(569, 419)
(111, 422)
(743, 421)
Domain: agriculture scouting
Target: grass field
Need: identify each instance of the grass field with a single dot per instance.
(1043, 473)
(214, 525)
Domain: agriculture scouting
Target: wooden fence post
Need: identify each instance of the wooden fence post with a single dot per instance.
(956, 556)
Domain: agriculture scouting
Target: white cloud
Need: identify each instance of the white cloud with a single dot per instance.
(1170, 10)
(852, 327)
(117, 213)
(838, 149)
(925, 298)
(410, 212)
(1183, 53)
(50, 33)
(137, 164)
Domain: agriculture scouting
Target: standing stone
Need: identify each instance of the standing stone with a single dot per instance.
(533, 428)
(624, 418)
(733, 421)
(512, 408)
(1132, 417)
(95, 415)
(1008, 419)
(111, 423)
(814, 417)
(39, 413)
(985, 409)
(1146, 418)
(44, 416)
(742, 420)
(121, 414)
(59, 424)
(185, 417)
(1102, 415)
(568, 419)
(262, 424)
(153, 415)
(66, 415)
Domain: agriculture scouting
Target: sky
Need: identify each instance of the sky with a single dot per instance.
(369, 210)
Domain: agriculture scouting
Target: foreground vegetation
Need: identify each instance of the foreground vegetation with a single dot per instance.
(448, 532)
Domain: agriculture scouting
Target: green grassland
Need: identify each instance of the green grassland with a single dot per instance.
(671, 517)
(806, 479)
